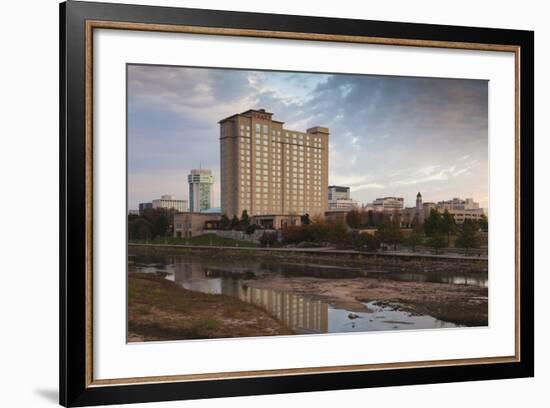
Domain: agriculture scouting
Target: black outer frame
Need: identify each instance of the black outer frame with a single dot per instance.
(73, 391)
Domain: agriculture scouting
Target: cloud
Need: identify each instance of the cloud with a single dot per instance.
(388, 135)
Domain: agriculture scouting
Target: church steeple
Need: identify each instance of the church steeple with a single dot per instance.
(419, 201)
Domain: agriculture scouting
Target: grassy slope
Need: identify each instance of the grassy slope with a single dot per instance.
(161, 310)
(205, 239)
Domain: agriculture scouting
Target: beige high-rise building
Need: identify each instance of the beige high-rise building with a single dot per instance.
(269, 170)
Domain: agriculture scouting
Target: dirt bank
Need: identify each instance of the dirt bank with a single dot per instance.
(161, 310)
(460, 304)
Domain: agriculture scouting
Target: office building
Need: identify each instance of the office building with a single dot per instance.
(338, 193)
(386, 204)
(267, 169)
(461, 209)
(170, 203)
(200, 190)
(458, 204)
(339, 199)
(143, 207)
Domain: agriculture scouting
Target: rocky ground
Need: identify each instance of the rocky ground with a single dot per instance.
(460, 304)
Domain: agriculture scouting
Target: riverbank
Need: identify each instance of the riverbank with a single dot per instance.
(344, 258)
(160, 310)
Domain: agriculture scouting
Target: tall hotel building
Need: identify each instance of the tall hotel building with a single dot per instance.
(269, 170)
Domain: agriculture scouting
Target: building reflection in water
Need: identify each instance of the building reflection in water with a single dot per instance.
(300, 314)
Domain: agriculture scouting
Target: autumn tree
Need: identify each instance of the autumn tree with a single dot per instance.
(354, 219)
(338, 234)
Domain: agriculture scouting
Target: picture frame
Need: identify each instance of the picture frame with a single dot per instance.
(78, 22)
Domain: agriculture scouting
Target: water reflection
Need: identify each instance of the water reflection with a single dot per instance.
(301, 314)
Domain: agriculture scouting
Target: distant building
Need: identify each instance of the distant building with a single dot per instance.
(191, 224)
(170, 203)
(338, 193)
(133, 212)
(386, 204)
(339, 199)
(268, 169)
(414, 215)
(460, 209)
(458, 204)
(200, 189)
(144, 206)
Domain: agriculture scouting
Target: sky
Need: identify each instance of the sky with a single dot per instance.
(389, 136)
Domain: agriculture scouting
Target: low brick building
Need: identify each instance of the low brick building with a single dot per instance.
(191, 224)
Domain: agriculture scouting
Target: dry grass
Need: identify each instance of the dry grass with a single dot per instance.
(161, 310)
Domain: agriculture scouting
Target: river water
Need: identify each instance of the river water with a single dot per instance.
(301, 313)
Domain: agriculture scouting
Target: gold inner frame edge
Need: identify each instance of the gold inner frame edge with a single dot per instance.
(100, 24)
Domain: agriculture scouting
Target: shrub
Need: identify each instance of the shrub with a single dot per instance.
(366, 241)
(268, 239)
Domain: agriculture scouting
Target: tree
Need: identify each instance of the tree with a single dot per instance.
(268, 239)
(354, 219)
(251, 229)
(338, 234)
(225, 223)
(139, 228)
(447, 225)
(160, 220)
(235, 223)
(293, 234)
(317, 231)
(432, 224)
(468, 236)
(483, 223)
(366, 241)
(416, 238)
(389, 233)
(245, 220)
(436, 241)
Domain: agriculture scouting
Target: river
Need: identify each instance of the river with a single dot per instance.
(303, 314)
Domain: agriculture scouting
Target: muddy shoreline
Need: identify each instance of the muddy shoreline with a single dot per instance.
(358, 280)
(161, 310)
(464, 305)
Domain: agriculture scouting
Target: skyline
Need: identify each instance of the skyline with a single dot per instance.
(390, 136)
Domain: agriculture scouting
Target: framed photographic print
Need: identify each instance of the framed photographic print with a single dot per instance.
(256, 203)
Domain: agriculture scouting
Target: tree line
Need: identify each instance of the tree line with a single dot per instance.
(151, 224)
